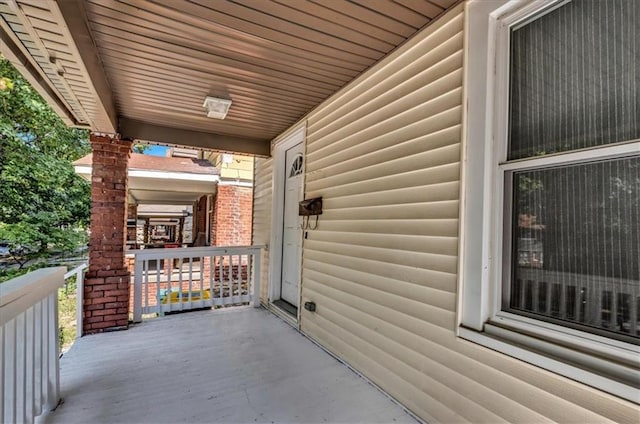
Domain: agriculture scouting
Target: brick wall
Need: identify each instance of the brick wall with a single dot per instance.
(132, 214)
(232, 209)
(106, 287)
(200, 223)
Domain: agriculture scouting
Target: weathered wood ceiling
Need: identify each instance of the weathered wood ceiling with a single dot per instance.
(143, 68)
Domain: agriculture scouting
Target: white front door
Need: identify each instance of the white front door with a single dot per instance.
(291, 231)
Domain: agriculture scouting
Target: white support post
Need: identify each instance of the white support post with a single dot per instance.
(78, 272)
(79, 303)
(137, 289)
(257, 276)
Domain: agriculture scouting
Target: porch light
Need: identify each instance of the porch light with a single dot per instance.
(216, 108)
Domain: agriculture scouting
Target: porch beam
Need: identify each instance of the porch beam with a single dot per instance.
(75, 17)
(138, 130)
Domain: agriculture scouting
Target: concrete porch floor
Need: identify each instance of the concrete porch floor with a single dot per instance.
(241, 365)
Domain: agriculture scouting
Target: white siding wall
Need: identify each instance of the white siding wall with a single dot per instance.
(262, 198)
(384, 154)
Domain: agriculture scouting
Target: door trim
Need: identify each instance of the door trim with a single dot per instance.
(297, 136)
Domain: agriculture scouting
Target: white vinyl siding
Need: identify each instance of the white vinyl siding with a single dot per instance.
(384, 154)
(262, 204)
(382, 267)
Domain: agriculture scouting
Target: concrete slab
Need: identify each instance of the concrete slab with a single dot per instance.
(241, 365)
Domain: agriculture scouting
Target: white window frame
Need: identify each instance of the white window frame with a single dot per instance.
(594, 360)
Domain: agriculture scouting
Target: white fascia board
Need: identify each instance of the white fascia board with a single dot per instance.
(236, 183)
(173, 175)
(84, 170)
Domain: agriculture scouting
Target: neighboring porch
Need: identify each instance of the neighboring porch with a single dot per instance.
(233, 365)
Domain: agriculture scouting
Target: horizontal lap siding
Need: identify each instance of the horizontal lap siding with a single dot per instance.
(262, 204)
(384, 154)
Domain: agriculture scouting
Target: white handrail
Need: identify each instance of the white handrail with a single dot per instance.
(189, 252)
(79, 273)
(29, 357)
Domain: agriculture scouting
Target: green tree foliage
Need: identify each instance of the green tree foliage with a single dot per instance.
(43, 203)
(140, 148)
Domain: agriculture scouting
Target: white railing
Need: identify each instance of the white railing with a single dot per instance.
(78, 272)
(168, 280)
(30, 346)
(601, 302)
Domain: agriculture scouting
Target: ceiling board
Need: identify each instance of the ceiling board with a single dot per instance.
(153, 62)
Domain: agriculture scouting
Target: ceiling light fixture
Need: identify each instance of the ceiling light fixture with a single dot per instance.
(216, 108)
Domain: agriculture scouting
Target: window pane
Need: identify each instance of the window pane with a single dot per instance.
(575, 78)
(576, 245)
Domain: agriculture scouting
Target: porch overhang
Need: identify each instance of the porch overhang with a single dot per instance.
(159, 180)
(142, 69)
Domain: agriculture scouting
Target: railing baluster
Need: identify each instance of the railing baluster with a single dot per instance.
(523, 293)
(202, 282)
(3, 346)
(563, 301)
(535, 293)
(548, 298)
(230, 279)
(158, 302)
(633, 313)
(147, 289)
(9, 398)
(179, 284)
(21, 365)
(245, 274)
(53, 352)
(190, 281)
(257, 276)
(221, 277)
(578, 301)
(614, 307)
(212, 271)
(38, 349)
(44, 360)
(30, 364)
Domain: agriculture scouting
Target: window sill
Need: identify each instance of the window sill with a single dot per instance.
(618, 378)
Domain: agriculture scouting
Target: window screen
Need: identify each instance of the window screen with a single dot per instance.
(575, 78)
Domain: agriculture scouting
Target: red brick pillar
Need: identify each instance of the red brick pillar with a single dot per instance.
(106, 287)
(232, 213)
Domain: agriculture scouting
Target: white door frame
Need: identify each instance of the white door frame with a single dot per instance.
(277, 217)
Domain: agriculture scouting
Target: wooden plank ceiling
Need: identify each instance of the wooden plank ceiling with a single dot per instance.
(151, 63)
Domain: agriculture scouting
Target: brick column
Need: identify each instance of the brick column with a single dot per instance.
(106, 287)
(232, 213)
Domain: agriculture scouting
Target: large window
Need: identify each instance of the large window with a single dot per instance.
(574, 224)
(562, 216)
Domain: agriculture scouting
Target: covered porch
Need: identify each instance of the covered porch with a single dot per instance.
(232, 365)
(140, 72)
